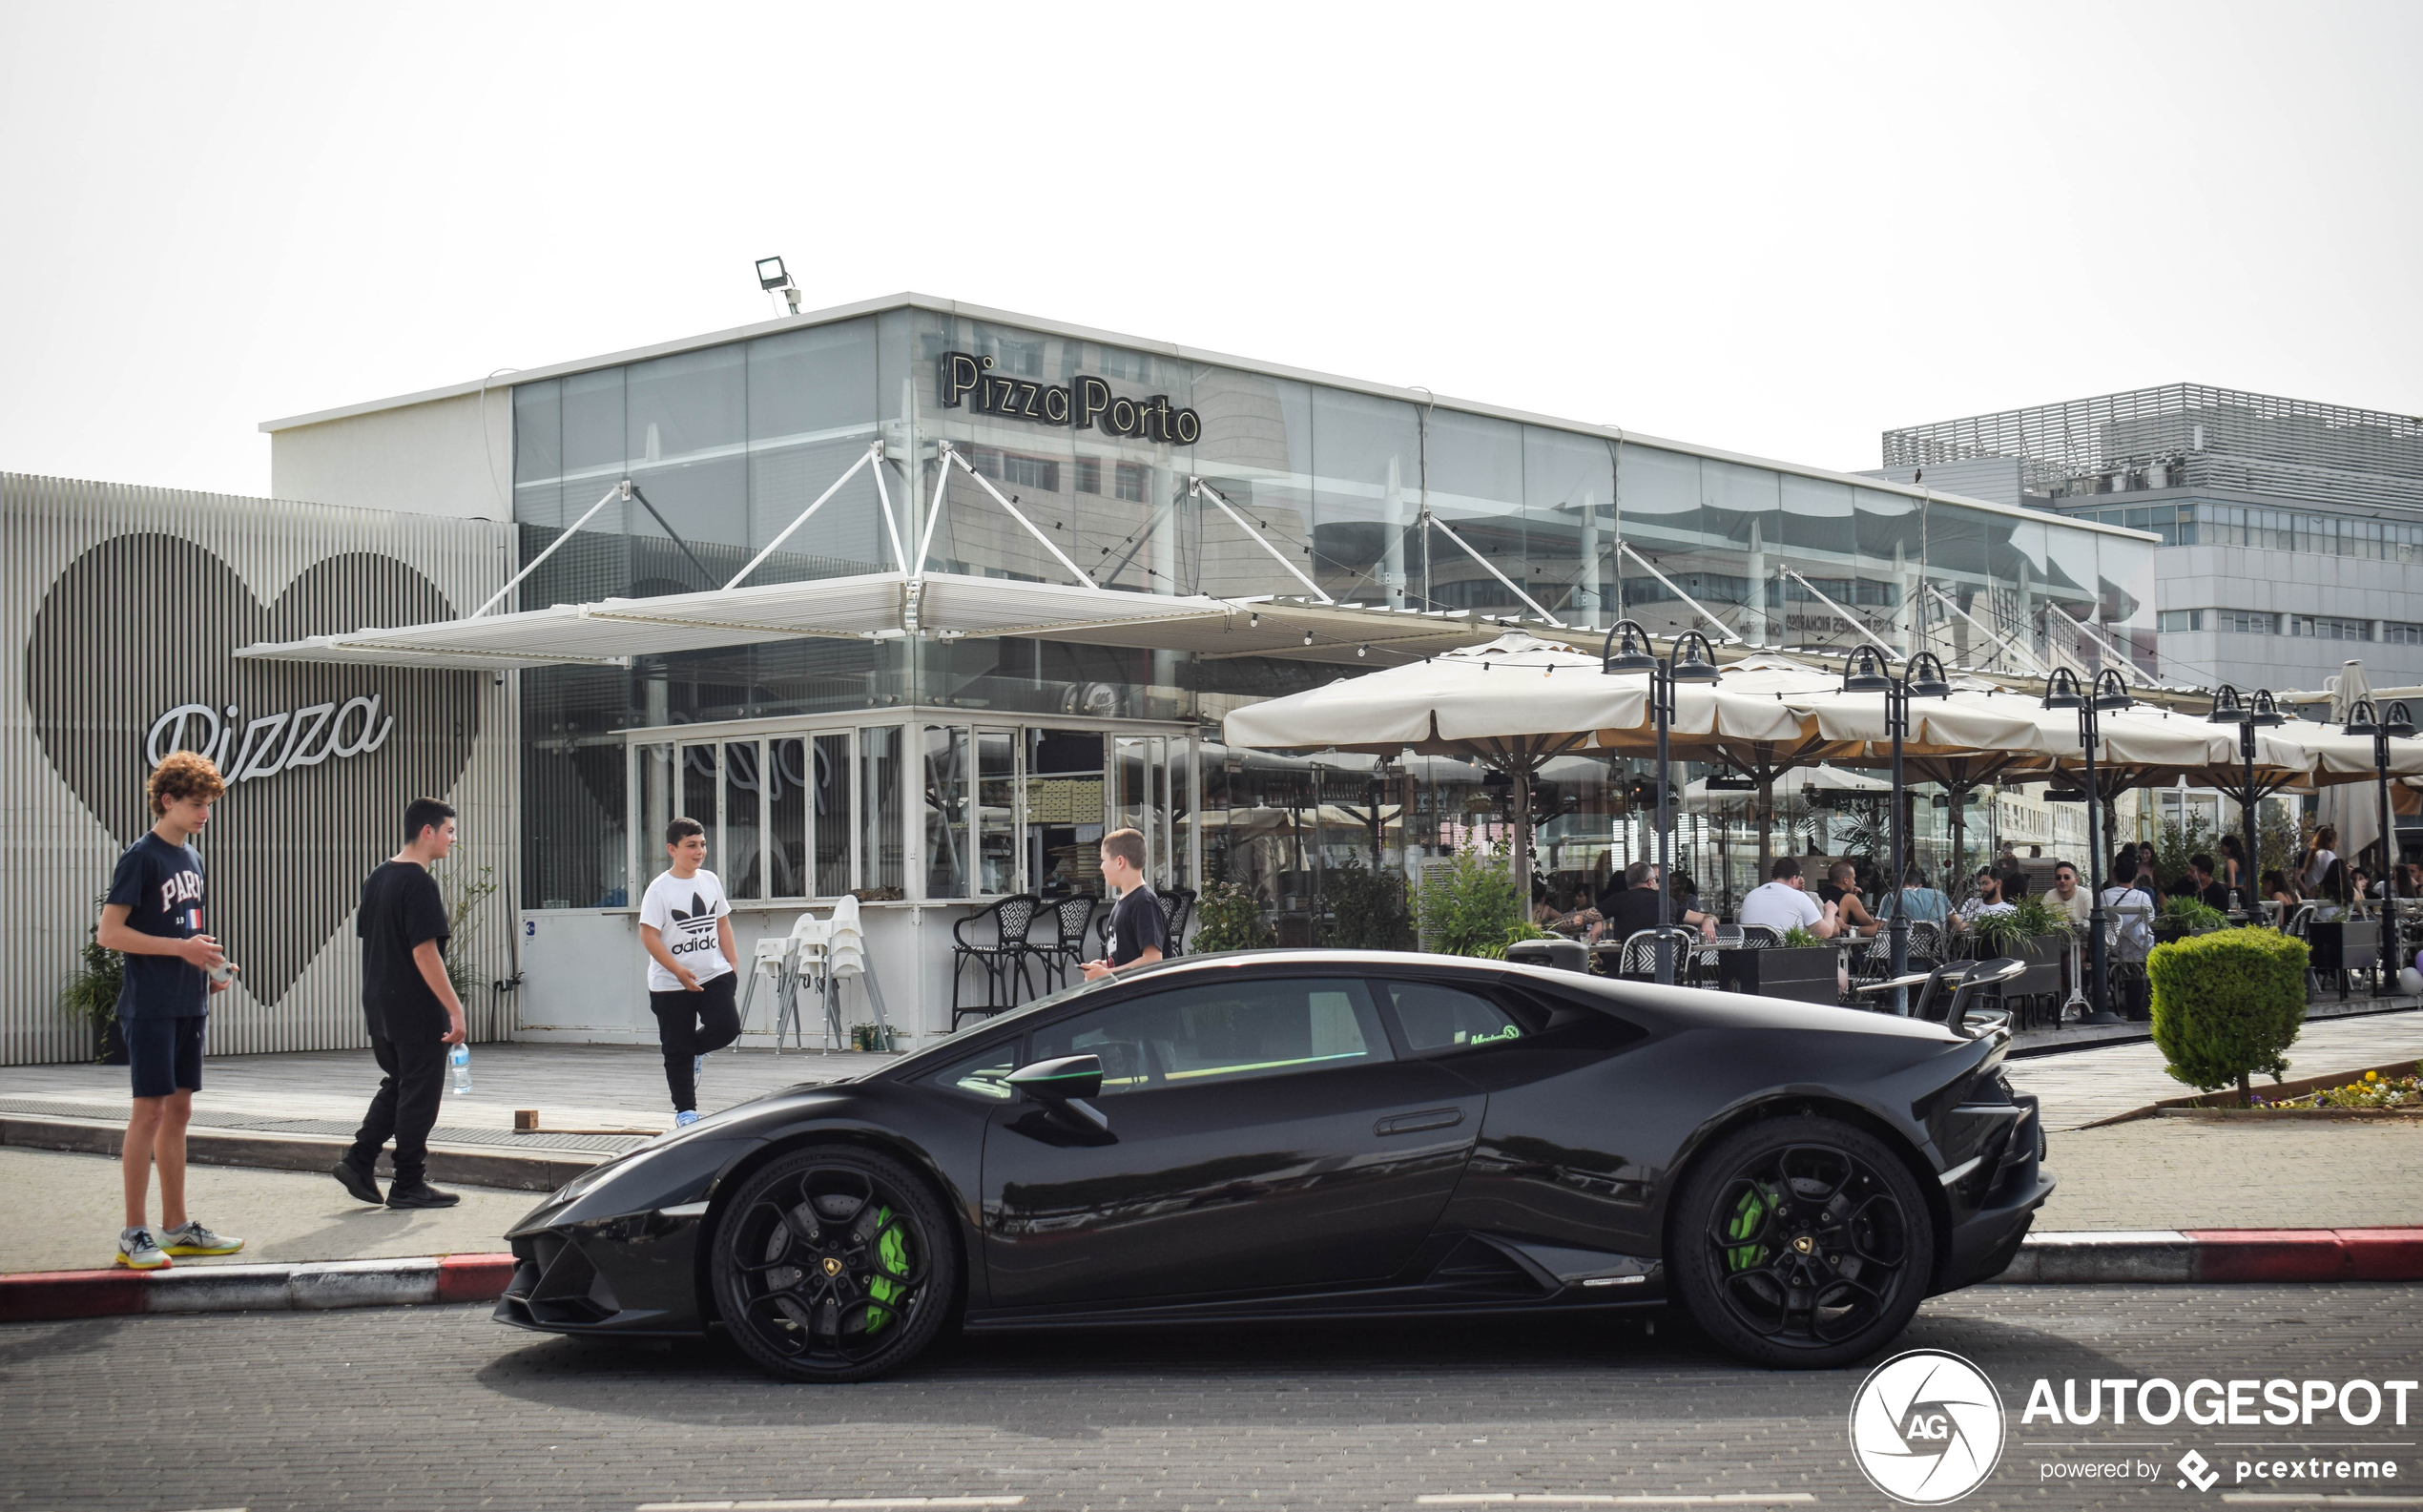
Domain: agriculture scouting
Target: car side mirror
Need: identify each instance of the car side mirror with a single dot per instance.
(1059, 1081)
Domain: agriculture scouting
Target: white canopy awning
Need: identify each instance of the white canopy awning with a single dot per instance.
(880, 606)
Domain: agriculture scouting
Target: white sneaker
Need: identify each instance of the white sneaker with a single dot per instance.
(137, 1250)
(190, 1237)
(685, 1118)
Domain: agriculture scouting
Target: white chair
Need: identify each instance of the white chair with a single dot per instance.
(846, 958)
(770, 961)
(810, 972)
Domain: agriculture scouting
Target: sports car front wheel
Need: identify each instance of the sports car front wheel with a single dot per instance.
(1801, 1242)
(834, 1264)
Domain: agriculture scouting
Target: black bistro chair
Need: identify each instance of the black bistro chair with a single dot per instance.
(1003, 958)
(1066, 951)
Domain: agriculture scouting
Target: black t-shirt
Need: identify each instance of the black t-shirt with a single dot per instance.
(1634, 909)
(2215, 895)
(161, 886)
(1136, 924)
(401, 910)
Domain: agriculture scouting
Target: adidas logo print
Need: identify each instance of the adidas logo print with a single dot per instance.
(698, 921)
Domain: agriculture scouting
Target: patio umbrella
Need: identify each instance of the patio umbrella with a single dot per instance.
(1509, 705)
(2354, 811)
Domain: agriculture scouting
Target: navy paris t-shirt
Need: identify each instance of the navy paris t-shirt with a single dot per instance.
(161, 887)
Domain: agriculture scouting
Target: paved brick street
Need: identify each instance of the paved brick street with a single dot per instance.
(438, 1407)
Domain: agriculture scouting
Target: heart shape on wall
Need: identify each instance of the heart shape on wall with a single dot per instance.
(144, 623)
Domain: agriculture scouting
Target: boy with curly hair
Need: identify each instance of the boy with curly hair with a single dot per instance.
(153, 915)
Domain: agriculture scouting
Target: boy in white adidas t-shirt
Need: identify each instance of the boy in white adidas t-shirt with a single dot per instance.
(685, 923)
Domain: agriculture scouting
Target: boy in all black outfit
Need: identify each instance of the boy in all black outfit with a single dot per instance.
(1139, 935)
(153, 917)
(411, 1009)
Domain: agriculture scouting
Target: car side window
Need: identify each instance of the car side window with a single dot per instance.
(1438, 1020)
(1227, 1031)
(985, 1074)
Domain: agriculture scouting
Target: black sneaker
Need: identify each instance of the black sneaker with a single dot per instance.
(421, 1195)
(356, 1180)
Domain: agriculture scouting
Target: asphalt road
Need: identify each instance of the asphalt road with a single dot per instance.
(438, 1407)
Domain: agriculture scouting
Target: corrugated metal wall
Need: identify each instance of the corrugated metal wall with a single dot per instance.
(118, 604)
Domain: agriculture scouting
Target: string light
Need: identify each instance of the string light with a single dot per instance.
(1361, 651)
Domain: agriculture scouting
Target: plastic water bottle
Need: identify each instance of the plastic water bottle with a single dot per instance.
(460, 1059)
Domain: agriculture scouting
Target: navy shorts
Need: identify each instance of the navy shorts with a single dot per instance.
(165, 1054)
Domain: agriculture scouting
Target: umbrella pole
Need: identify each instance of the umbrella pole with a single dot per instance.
(1522, 837)
(1765, 822)
(1958, 796)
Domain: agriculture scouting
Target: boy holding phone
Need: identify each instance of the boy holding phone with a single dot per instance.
(153, 915)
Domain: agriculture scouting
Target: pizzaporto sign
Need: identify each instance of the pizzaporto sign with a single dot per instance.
(1085, 402)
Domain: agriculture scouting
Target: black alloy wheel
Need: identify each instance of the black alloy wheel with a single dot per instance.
(1802, 1242)
(834, 1264)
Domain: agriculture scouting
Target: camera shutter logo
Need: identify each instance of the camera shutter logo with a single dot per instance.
(1926, 1427)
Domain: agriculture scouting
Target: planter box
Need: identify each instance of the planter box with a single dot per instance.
(1803, 975)
(2044, 955)
(2348, 944)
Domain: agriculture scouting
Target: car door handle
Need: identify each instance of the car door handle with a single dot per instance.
(1416, 1123)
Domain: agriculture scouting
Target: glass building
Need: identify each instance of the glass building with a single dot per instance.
(1046, 742)
(913, 770)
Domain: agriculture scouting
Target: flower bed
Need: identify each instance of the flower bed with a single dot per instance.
(2370, 1091)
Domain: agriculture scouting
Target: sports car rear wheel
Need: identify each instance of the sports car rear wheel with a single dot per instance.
(1801, 1242)
(834, 1264)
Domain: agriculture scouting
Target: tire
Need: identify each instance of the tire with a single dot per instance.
(834, 1264)
(1801, 1243)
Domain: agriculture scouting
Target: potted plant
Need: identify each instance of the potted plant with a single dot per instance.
(2032, 931)
(2183, 917)
(1470, 906)
(92, 993)
(1230, 918)
(1802, 968)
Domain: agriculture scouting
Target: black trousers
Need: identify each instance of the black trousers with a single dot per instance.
(690, 1024)
(405, 1107)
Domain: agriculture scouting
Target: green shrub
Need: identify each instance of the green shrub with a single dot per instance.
(1367, 910)
(2227, 1005)
(1468, 906)
(1230, 917)
(1797, 937)
(91, 994)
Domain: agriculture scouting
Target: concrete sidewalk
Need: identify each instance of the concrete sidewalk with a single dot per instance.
(2083, 1086)
(280, 1215)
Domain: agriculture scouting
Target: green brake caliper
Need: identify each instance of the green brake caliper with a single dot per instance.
(891, 1251)
(1748, 1213)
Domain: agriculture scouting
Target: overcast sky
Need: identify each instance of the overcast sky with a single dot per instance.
(1776, 229)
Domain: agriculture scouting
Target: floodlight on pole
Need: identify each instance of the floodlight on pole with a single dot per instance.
(771, 277)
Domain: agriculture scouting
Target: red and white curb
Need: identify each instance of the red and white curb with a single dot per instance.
(2175, 1257)
(255, 1288)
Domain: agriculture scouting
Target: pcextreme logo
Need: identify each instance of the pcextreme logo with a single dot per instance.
(1926, 1427)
